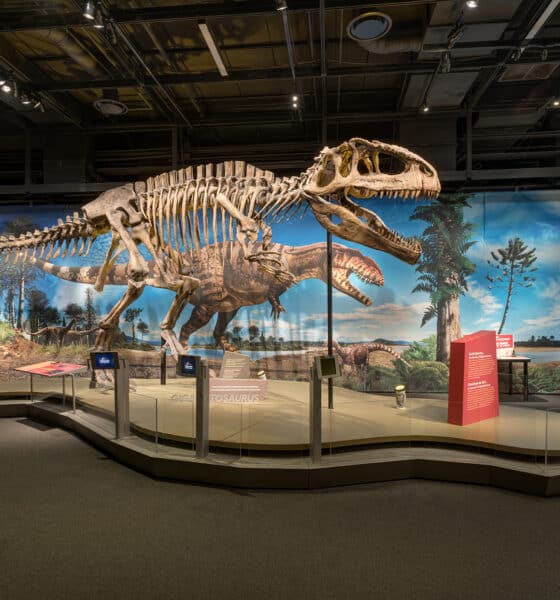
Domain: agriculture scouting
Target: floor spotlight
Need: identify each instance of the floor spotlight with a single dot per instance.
(400, 396)
(89, 11)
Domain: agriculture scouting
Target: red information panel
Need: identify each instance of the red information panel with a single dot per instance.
(51, 369)
(473, 379)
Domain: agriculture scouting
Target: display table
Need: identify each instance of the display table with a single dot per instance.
(525, 360)
(54, 369)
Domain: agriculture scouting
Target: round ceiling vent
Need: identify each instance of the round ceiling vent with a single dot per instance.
(110, 107)
(369, 26)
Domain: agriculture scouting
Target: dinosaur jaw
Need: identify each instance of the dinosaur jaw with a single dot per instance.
(341, 281)
(352, 222)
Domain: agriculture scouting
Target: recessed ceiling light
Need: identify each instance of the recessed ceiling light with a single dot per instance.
(369, 26)
(110, 107)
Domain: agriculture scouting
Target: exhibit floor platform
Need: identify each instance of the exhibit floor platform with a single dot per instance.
(265, 444)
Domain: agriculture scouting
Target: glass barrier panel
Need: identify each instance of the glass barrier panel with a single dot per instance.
(95, 401)
(174, 428)
(275, 421)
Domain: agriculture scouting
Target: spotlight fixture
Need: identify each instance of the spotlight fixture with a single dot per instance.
(425, 108)
(98, 22)
(472, 3)
(516, 55)
(556, 102)
(7, 87)
(281, 5)
(89, 11)
(544, 54)
(25, 99)
(295, 104)
(445, 63)
(295, 98)
(3, 79)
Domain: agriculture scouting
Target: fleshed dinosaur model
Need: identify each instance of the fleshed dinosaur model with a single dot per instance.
(52, 334)
(356, 356)
(176, 214)
(228, 281)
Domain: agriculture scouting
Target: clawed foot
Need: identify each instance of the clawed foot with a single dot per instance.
(276, 309)
(227, 346)
(172, 343)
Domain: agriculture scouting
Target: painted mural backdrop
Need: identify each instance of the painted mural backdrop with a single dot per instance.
(490, 261)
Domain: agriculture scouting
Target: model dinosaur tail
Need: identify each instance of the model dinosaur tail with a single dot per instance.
(74, 234)
(117, 275)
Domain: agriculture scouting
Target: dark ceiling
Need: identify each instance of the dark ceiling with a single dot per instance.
(488, 74)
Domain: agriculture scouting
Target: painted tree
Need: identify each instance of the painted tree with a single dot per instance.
(254, 332)
(444, 267)
(513, 267)
(16, 275)
(143, 328)
(39, 311)
(90, 314)
(76, 312)
(130, 316)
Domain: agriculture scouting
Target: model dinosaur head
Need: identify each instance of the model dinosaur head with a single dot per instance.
(347, 261)
(363, 169)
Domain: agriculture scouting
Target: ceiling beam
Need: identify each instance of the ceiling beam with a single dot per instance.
(304, 72)
(160, 14)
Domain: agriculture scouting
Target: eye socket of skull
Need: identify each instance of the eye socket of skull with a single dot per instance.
(326, 173)
(390, 165)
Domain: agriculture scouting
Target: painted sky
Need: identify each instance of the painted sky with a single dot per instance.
(396, 312)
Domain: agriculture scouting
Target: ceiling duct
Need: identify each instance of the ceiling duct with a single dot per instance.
(63, 40)
(370, 31)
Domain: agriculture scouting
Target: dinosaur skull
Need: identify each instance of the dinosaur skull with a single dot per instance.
(363, 169)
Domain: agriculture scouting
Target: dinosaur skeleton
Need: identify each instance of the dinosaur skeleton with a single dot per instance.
(175, 214)
(228, 281)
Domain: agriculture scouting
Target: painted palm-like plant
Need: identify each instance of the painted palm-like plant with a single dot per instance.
(513, 266)
(444, 267)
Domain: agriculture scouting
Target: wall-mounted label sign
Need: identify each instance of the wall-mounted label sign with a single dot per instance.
(504, 345)
(105, 360)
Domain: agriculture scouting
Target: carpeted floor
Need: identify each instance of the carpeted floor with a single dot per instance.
(74, 524)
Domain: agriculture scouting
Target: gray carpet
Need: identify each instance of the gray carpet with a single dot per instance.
(74, 524)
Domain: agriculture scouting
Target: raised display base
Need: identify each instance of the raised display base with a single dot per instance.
(280, 422)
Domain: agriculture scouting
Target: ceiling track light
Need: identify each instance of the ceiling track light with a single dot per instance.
(295, 98)
(89, 10)
(7, 86)
(472, 3)
(556, 103)
(25, 99)
(544, 54)
(98, 22)
(445, 63)
(281, 5)
(424, 108)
